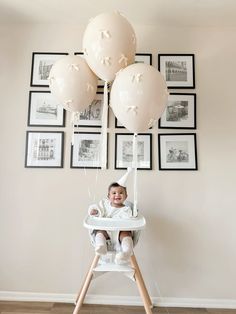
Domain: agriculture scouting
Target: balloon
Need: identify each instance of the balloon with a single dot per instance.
(138, 97)
(109, 44)
(73, 83)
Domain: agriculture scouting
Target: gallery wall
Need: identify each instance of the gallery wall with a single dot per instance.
(187, 252)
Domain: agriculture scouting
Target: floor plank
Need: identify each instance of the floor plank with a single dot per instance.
(64, 308)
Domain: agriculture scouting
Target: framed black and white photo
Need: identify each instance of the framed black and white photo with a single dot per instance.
(177, 151)
(44, 149)
(92, 115)
(180, 112)
(177, 69)
(86, 151)
(45, 110)
(143, 58)
(118, 125)
(124, 151)
(100, 81)
(42, 63)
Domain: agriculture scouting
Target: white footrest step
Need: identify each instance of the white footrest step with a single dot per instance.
(114, 267)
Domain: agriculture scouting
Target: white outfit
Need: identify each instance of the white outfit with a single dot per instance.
(105, 209)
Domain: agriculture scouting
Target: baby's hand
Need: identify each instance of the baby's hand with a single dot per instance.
(94, 212)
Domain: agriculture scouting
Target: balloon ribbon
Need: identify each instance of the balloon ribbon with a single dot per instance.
(135, 210)
(104, 128)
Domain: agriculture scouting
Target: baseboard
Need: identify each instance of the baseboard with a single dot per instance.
(118, 300)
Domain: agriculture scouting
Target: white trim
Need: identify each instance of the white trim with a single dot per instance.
(118, 300)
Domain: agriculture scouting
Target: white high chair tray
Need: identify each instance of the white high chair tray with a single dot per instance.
(102, 223)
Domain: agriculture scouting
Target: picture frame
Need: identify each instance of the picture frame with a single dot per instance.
(44, 149)
(180, 112)
(42, 63)
(177, 69)
(143, 58)
(85, 153)
(177, 151)
(118, 125)
(45, 110)
(92, 115)
(100, 81)
(124, 151)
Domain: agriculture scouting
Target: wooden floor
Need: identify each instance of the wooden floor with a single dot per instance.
(62, 308)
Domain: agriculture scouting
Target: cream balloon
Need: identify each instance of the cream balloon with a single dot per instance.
(109, 44)
(138, 97)
(73, 83)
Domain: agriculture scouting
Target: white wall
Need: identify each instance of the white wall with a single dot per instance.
(188, 248)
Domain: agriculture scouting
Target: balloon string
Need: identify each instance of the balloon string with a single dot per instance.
(104, 128)
(135, 211)
(74, 121)
(73, 128)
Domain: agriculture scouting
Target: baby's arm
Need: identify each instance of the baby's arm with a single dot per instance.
(94, 210)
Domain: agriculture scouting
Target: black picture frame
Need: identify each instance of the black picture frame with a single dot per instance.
(88, 152)
(124, 150)
(177, 151)
(178, 70)
(44, 110)
(143, 58)
(44, 149)
(180, 112)
(41, 65)
(91, 117)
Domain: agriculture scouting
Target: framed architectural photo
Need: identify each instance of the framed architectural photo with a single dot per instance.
(180, 112)
(44, 149)
(92, 116)
(177, 151)
(177, 69)
(124, 151)
(143, 58)
(44, 110)
(100, 82)
(41, 66)
(85, 153)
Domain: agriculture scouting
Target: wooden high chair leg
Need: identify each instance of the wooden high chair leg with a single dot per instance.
(84, 289)
(141, 285)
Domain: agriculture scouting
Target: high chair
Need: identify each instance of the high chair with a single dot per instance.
(103, 264)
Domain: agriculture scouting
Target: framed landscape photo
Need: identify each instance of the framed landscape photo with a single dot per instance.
(86, 151)
(44, 149)
(177, 69)
(143, 58)
(92, 115)
(177, 151)
(45, 110)
(180, 112)
(42, 63)
(124, 151)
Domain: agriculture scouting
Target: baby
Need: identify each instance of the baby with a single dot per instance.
(114, 207)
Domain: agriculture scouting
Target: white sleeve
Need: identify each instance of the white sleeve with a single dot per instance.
(96, 207)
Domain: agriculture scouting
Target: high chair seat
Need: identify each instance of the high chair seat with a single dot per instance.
(102, 265)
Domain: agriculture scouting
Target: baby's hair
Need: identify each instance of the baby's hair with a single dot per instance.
(115, 185)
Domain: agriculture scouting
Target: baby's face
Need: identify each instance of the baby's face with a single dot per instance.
(117, 195)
